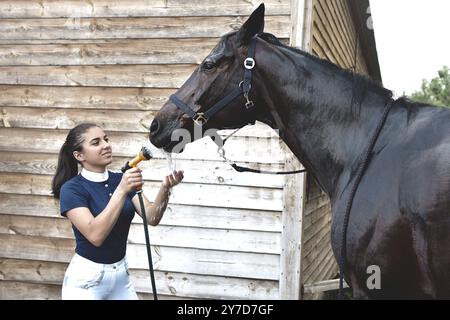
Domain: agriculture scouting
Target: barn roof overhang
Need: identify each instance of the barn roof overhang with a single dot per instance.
(361, 15)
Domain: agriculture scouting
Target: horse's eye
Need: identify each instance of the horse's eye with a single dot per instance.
(208, 65)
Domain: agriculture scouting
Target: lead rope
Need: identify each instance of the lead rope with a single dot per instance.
(362, 169)
(238, 168)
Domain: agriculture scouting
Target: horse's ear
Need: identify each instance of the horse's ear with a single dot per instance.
(253, 26)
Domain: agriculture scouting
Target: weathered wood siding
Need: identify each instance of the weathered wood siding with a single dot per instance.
(333, 37)
(318, 262)
(115, 63)
(224, 235)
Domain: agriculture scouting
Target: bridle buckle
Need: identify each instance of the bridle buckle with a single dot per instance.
(249, 63)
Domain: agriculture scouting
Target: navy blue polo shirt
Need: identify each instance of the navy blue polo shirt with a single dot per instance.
(80, 192)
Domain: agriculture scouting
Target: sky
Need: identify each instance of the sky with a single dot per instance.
(413, 41)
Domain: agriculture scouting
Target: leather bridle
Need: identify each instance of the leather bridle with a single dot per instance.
(244, 87)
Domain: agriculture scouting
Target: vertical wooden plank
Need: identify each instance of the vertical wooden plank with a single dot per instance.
(297, 21)
(295, 187)
(291, 235)
(301, 24)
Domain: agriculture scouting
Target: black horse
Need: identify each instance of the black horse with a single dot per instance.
(400, 218)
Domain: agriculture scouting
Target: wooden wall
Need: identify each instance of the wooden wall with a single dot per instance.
(115, 63)
(318, 261)
(334, 34)
(333, 37)
(224, 235)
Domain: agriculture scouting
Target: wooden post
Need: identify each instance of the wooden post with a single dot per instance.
(323, 286)
(291, 235)
(301, 23)
(295, 185)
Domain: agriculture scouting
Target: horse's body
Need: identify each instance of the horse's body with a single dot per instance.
(400, 218)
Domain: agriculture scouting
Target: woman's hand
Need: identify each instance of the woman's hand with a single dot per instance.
(132, 180)
(173, 179)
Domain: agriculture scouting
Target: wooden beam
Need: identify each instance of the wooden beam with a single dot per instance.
(112, 51)
(217, 172)
(134, 8)
(253, 198)
(295, 187)
(165, 259)
(171, 236)
(137, 76)
(176, 215)
(301, 24)
(83, 97)
(172, 284)
(291, 235)
(131, 120)
(131, 27)
(322, 286)
(242, 149)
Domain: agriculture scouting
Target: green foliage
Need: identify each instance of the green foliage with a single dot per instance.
(437, 91)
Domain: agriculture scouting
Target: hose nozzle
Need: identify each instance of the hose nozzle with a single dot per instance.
(144, 154)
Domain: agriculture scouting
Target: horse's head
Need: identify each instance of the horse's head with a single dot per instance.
(214, 96)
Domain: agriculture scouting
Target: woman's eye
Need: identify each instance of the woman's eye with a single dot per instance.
(208, 65)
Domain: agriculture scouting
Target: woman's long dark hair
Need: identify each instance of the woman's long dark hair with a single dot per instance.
(67, 164)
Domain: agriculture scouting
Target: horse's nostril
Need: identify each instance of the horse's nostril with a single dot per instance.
(154, 127)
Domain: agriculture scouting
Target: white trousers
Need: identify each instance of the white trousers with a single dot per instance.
(88, 280)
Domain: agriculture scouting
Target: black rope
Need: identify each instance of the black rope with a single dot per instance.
(147, 242)
(245, 169)
(361, 170)
(241, 169)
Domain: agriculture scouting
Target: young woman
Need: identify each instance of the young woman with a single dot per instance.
(101, 205)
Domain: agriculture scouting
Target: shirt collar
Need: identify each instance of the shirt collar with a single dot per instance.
(95, 176)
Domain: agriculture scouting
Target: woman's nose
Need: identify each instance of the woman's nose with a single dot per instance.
(106, 144)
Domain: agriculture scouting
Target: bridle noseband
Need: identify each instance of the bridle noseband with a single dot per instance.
(244, 87)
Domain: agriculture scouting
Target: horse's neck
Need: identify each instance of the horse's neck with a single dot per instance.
(314, 111)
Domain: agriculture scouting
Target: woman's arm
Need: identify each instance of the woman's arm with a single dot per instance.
(155, 211)
(96, 229)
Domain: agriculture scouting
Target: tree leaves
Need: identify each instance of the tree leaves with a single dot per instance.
(436, 91)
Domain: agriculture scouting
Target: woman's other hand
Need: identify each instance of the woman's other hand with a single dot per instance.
(173, 179)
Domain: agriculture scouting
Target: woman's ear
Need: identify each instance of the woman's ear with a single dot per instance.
(253, 26)
(78, 156)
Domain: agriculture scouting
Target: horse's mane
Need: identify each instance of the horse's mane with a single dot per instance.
(361, 83)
